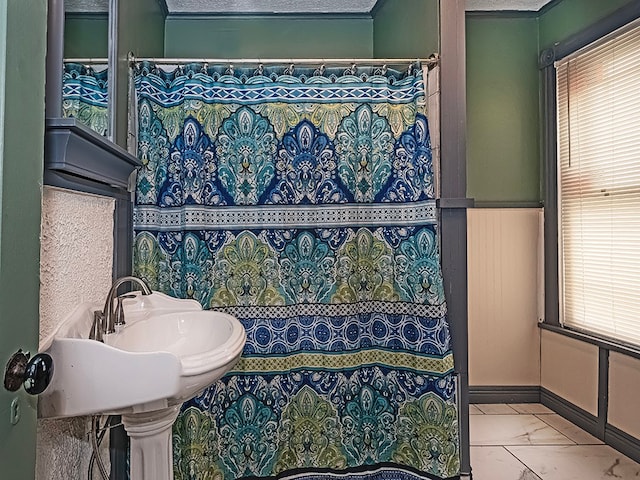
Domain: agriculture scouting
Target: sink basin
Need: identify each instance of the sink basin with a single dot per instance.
(168, 351)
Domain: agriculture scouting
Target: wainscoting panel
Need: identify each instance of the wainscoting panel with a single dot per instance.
(624, 391)
(503, 254)
(570, 370)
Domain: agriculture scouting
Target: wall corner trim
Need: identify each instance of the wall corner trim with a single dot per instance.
(376, 8)
(163, 7)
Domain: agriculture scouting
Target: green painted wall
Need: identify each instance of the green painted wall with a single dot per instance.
(503, 124)
(406, 29)
(22, 77)
(502, 109)
(269, 37)
(86, 36)
(571, 16)
(141, 31)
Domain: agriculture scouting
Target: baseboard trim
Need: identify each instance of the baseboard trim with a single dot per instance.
(623, 442)
(613, 436)
(571, 412)
(504, 394)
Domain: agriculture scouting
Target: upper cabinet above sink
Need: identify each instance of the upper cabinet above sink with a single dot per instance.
(80, 153)
(74, 153)
(95, 37)
(85, 94)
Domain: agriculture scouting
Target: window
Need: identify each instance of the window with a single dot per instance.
(598, 134)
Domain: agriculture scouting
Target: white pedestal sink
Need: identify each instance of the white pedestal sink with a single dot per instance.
(150, 444)
(169, 351)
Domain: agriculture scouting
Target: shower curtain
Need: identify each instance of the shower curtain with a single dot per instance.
(302, 202)
(85, 96)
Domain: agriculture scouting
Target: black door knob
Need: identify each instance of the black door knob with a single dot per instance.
(34, 373)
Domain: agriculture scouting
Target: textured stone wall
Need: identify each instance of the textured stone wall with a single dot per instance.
(76, 257)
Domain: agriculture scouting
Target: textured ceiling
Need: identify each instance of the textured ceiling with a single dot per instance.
(534, 5)
(270, 6)
(82, 6)
(291, 6)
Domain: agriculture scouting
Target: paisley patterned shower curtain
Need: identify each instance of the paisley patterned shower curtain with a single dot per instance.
(302, 203)
(85, 96)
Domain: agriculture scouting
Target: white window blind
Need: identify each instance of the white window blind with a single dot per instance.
(598, 100)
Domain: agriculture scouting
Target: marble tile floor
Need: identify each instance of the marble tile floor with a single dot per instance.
(531, 442)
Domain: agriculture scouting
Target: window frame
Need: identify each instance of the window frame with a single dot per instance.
(552, 288)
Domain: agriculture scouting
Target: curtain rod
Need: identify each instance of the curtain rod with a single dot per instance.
(93, 61)
(432, 60)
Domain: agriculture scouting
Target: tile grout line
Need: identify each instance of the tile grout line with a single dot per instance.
(572, 440)
(522, 463)
(556, 430)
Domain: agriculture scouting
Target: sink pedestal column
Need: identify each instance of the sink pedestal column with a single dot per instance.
(151, 448)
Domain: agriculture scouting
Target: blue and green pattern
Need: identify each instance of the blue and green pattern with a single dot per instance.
(85, 95)
(304, 205)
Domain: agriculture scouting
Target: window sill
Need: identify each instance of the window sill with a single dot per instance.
(602, 342)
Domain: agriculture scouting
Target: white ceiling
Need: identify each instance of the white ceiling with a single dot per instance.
(290, 6)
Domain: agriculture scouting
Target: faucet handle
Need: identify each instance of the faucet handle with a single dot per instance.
(119, 313)
(97, 326)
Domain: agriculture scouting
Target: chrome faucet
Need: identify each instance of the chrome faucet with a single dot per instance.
(107, 320)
